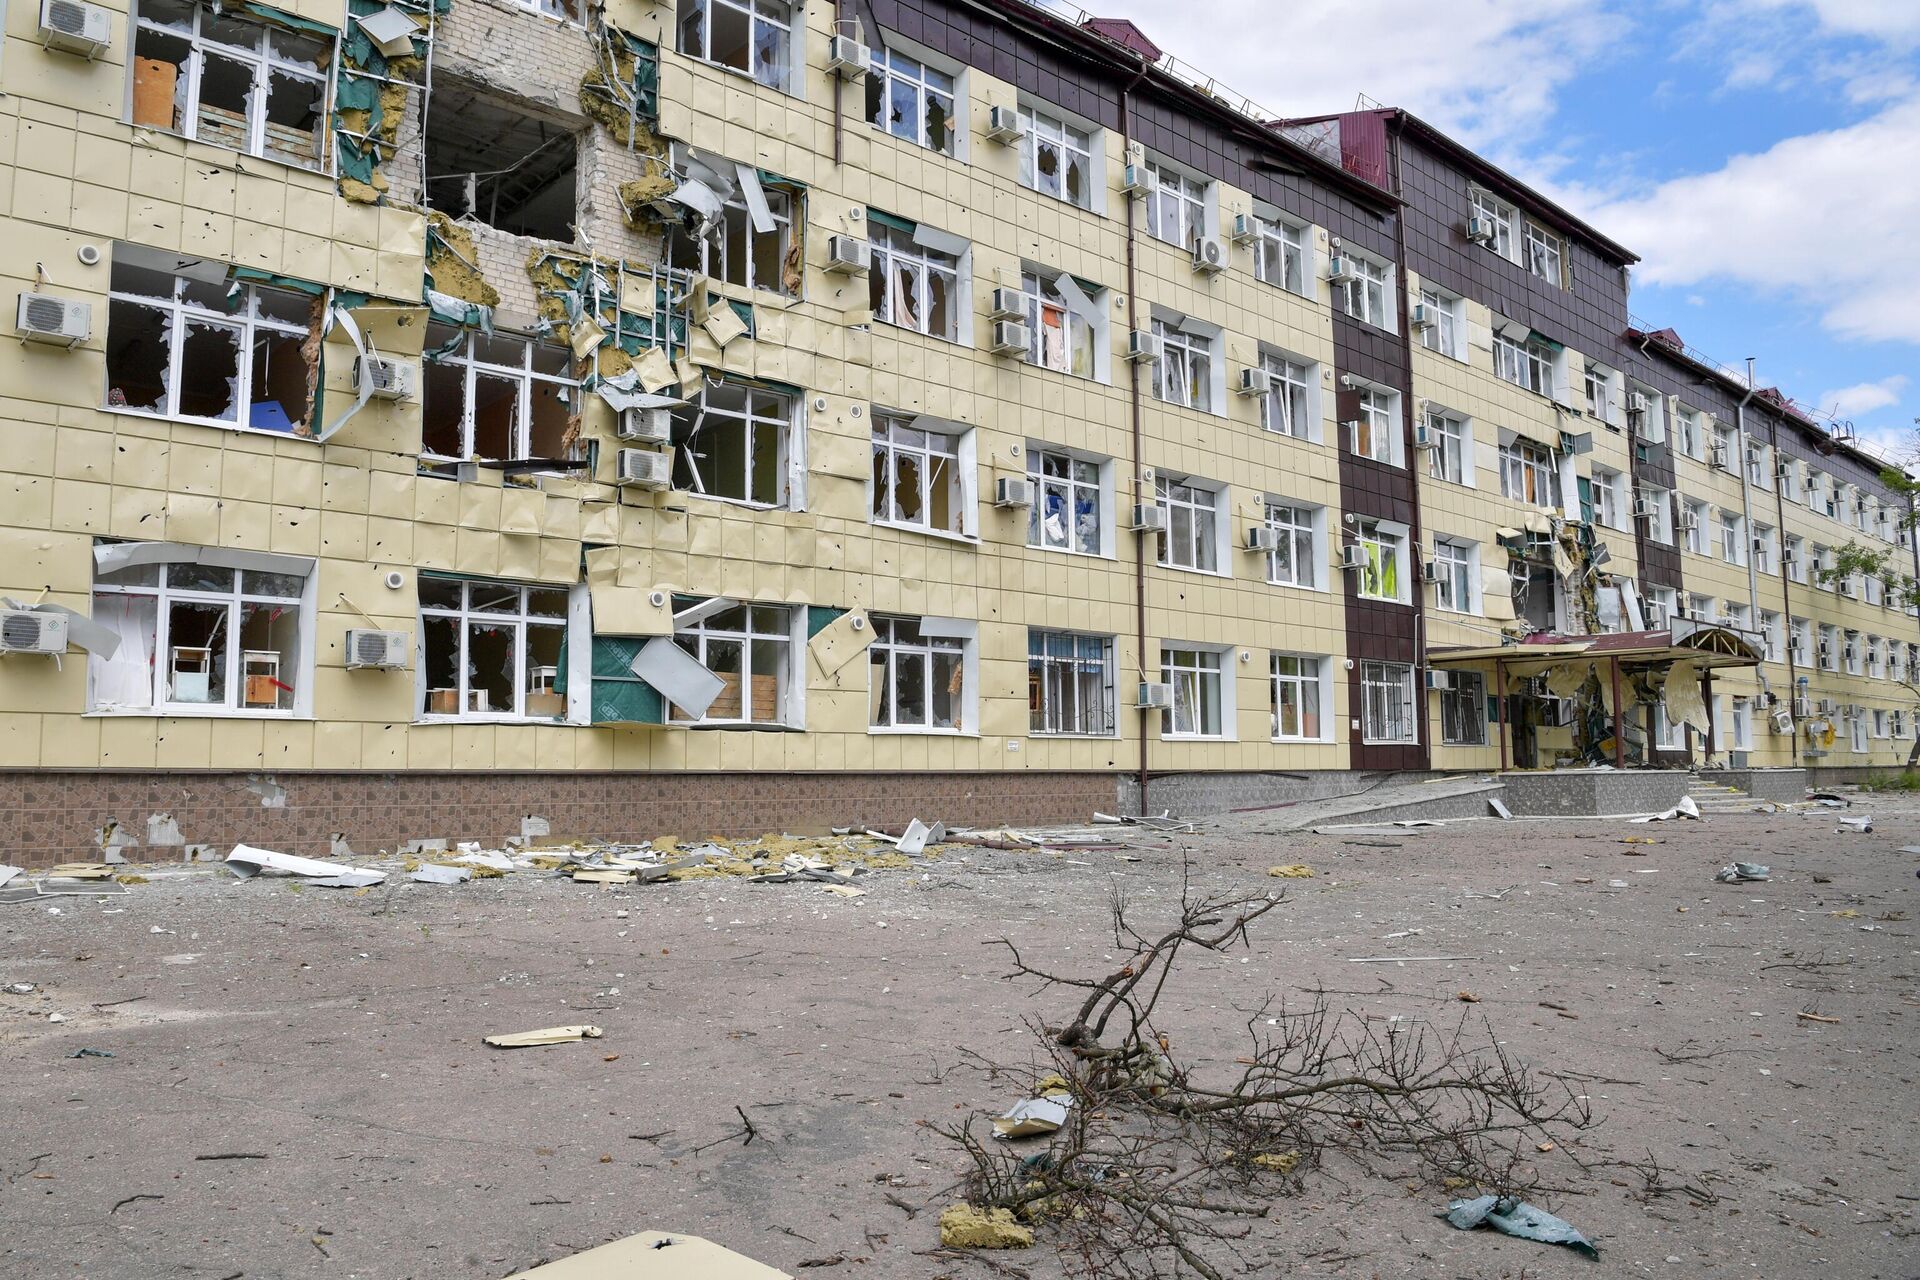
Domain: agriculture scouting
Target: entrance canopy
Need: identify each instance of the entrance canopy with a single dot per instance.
(1704, 644)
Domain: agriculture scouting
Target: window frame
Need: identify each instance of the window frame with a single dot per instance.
(889, 248)
(789, 73)
(1390, 562)
(1314, 687)
(1380, 682)
(465, 617)
(1190, 197)
(525, 379)
(1302, 529)
(1523, 463)
(1482, 203)
(692, 420)
(1296, 386)
(1464, 704)
(956, 447)
(784, 205)
(1376, 412)
(1072, 485)
(702, 632)
(1545, 255)
(1198, 353)
(1368, 297)
(1528, 365)
(926, 651)
(1279, 240)
(1447, 336)
(1060, 672)
(1079, 333)
(1069, 141)
(1198, 661)
(1205, 522)
(1450, 447)
(885, 69)
(1457, 562)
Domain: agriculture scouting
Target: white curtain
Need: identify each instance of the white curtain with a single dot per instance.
(125, 679)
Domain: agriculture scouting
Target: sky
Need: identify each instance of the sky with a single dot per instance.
(1761, 156)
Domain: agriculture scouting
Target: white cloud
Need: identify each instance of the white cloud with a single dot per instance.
(1896, 21)
(1488, 71)
(1826, 219)
(1863, 397)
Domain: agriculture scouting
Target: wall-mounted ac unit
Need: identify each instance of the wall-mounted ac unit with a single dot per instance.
(1425, 437)
(1717, 455)
(1423, 316)
(31, 631)
(1246, 228)
(1149, 517)
(1686, 521)
(1802, 705)
(1154, 696)
(1013, 491)
(1340, 270)
(1011, 337)
(1782, 722)
(75, 27)
(1135, 180)
(65, 322)
(1255, 382)
(1143, 344)
(847, 57)
(1481, 230)
(383, 379)
(1007, 304)
(1646, 508)
(1439, 679)
(847, 255)
(384, 650)
(1261, 537)
(644, 469)
(1210, 255)
(1003, 125)
(647, 426)
(1429, 571)
(1353, 556)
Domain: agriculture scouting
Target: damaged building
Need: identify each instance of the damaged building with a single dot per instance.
(735, 414)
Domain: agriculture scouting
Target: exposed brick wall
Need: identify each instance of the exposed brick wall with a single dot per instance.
(51, 816)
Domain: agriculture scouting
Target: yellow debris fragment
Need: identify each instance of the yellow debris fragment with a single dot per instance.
(964, 1227)
(1277, 1161)
(1292, 871)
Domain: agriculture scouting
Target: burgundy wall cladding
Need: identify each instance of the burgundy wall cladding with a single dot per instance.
(49, 816)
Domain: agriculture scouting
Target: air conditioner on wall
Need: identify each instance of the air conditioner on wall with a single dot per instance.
(1003, 125)
(42, 317)
(1007, 304)
(1261, 537)
(1353, 556)
(383, 379)
(1013, 491)
(1209, 255)
(75, 27)
(1246, 228)
(1439, 679)
(847, 255)
(1011, 337)
(1135, 181)
(644, 469)
(31, 631)
(383, 650)
(649, 426)
(1429, 571)
(1340, 270)
(1143, 344)
(1149, 517)
(1481, 230)
(1154, 695)
(847, 57)
(1255, 382)
(1423, 316)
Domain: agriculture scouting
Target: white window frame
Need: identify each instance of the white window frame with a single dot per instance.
(1775, 634)
(928, 83)
(1528, 365)
(893, 651)
(1058, 664)
(1085, 479)
(1662, 607)
(1374, 431)
(1830, 643)
(1694, 527)
(1610, 499)
(465, 617)
(1368, 297)
(1851, 655)
(524, 377)
(1660, 524)
(934, 445)
(264, 64)
(247, 325)
(1464, 704)
(1281, 254)
(1447, 334)
(902, 267)
(1450, 452)
(1526, 463)
(1391, 539)
(1688, 438)
(1765, 554)
(764, 412)
(1191, 200)
(1484, 204)
(1307, 687)
(1080, 333)
(785, 77)
(736, 222)
(1793, 555)
(1042, 130)
(1187, 668)
(1801, 632)
(159, 663)
(1546, 255)
(1389, 704)
(1194, 354)
(1733, 539)
(787, 629)
(1291, 408)
(1204, 544)
(1876, 658)
(1301, 529)
(1457, 580)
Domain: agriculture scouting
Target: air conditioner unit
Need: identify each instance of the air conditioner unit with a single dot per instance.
(45, 318)
(1210, 255)
(75, 27)
(1823, 653)
(1439, 679)
(650, 426)
(1255, 382)
(1008, 304)
(1003, 125)
(1845, 588)
(1481, 230)
(1425, 437)
(1802, 705)
(1011, 337)
(1717, 456)
(1646, 508)
(847, 57)
(1143, 344)
(1135, 181)
(1261, 537)
(1340, 270)
(1829, 707)
(847, 255)
(1782, 722)
(383, 379)
(1149, 517)
(1429, 571)
(377, 649)
(1013, 491)
(1423, 316)
(31, 631)
(1154, 695)
(644, 469)
(1246, 228)
(1353, 556)
(1686, 521)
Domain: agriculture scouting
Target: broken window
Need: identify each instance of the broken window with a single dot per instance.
(508, 167)
(184, 342)
(1056, 159)
(754, 36)
(1192, 538)
(565, 10)
(1463, 710)
(1069, 683)
(1386, 546)
(1280, 254)
(738, 248)
(199, 637)
(1059, 336)
(1183, 373)
(1295, 557)
(1297, 697)
(917, 679)
(911, 100)
(491, 650)
(1176, 206)
(1197, 692)
(735, 442)
(231, 81)
(918, 475)
(495, 396)
(1067, 512)
(750, 647)
(1288, 405)
(913, 286)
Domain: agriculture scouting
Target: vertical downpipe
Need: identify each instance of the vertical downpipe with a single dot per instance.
(1133, 395)
(1408, 451)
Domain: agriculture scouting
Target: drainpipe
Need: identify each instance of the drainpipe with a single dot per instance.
(1407, 449)
(1746, 500)
(1134, 405)
(1786, 583)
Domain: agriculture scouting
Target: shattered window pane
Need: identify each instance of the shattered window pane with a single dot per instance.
(496, 396)
(226, 85)
(210, 371)
(917, 681)
(733, 444)
(495, 656)
(911, 101)
(1058, 338)
(295, 114)
(730, 36)
(913, 286)
(749, 649)
(916, 475)
(1056, 159)
(138, 363)
(495, 415)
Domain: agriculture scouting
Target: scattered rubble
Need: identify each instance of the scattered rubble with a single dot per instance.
(655, 1255)
(544, 1036)
(964, 1227)
(1516, 1218)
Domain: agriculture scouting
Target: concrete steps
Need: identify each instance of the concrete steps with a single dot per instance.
(1718, 797)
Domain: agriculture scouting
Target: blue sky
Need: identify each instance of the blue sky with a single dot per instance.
(1762, 156)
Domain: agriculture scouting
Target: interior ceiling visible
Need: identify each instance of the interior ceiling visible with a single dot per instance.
(471, 132)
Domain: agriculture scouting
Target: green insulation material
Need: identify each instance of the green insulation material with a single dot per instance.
(618, 696)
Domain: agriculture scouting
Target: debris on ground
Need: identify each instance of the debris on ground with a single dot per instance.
(1685, 809)
(1863, 825)
(90, 1053)
(964, 1227)
(439, 873)
(546, 1035)
(247, 862)
(1741, 872)
(655, 1255)
(1516, 1218)
(1292, 871)
(1032, 1117)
